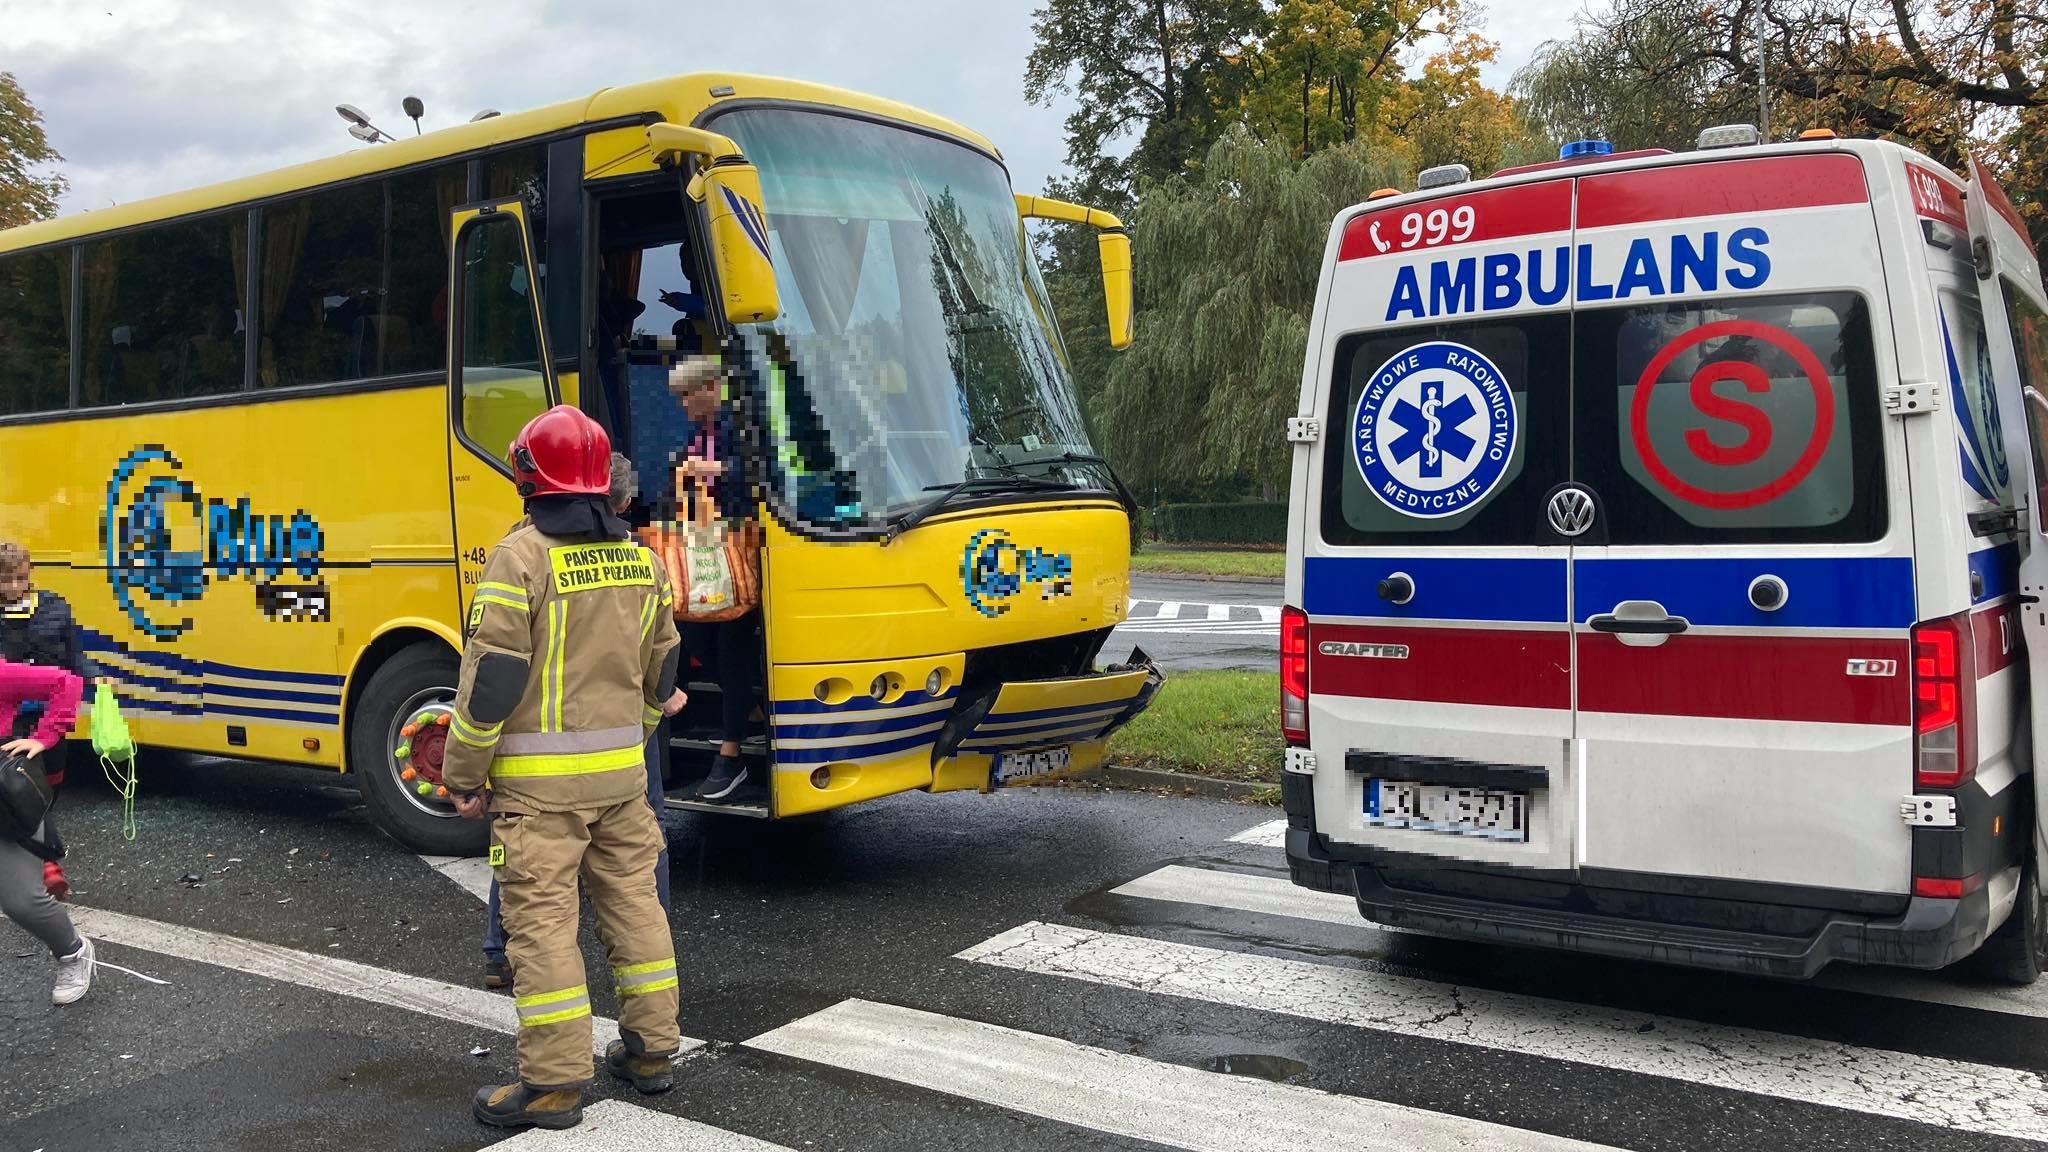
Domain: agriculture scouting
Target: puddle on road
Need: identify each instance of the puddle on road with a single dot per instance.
(1275, 1068)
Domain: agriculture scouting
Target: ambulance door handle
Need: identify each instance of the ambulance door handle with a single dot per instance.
(1639, 622)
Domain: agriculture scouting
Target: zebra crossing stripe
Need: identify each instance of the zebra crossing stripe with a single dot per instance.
(1271, 834)
(1279, 896)
(1122, 1094)
(1928, 1090)
(616, 1126)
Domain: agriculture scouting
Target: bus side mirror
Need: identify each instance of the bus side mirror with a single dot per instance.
(730, 189)
(1113, 249)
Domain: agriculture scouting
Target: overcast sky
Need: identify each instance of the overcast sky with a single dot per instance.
(151, 97)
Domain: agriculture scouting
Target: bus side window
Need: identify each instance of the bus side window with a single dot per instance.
(164, 313)
(35, 332)
(503, 385)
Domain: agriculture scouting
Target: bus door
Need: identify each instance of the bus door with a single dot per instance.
(499, 373)
(2016, 327)
(1744, 592)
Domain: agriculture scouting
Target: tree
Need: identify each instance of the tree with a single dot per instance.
(1226, 278)
(1170, 71)
(1950, 77)
(1326, 66)
(25, 196)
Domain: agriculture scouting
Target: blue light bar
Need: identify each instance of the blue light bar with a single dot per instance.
(1580, 148)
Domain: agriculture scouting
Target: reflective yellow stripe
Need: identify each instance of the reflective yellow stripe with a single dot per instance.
(540, 998)
(569, 764)
(647, 616)
(574, 1002)
(554, 1017)
(473, 736)
(502, 601)
(643, 969)
(513, 591)
(631, 990)
(653, 716)
(551, 667)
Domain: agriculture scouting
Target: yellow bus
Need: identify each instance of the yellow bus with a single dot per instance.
(255, 433)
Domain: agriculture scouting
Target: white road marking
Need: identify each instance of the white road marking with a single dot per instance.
(1279, 896)
(1925, 1089)
(472, 874)
(1269, 895)
(1122, 1094)
(1271, 834)
(471, 1006)
(1194, 619)
(1219, 611)
(616, 1126)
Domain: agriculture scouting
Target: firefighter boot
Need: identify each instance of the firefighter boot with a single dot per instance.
(517, 1106)
(651, 1075)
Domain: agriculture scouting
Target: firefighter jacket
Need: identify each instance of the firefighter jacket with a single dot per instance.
(572, 648)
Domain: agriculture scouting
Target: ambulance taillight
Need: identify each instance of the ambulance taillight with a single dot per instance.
(1944, 702)
(1294, 675)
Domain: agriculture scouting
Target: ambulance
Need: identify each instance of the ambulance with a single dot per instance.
(1666, 545)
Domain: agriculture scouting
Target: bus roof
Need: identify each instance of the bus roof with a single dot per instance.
(681, 99)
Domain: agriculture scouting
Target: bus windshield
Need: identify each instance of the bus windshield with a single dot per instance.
(916, 347)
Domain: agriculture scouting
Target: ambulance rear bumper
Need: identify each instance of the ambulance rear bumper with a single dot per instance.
(1497, 906)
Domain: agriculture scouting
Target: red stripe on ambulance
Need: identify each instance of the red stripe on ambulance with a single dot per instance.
(1809, 678)
(1725, 187)
(1476, 218)
(1496, 667)
(1936, 196)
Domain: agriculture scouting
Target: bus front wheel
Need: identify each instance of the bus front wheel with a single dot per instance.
(419, 679)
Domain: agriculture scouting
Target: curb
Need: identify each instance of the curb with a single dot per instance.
(1208, 578)
(1118, 776)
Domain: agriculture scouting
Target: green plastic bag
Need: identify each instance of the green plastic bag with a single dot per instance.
(109, 730)
(117, 752)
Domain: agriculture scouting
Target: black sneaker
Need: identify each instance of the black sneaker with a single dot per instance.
(727, 773)
(497, 973)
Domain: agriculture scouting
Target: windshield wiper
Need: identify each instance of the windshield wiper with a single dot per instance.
(1130, 499)
(904, 522)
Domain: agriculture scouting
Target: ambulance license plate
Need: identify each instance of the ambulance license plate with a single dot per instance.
(1487, 813)
(1019, 765)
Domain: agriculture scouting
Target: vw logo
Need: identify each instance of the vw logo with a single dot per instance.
(1571, 511)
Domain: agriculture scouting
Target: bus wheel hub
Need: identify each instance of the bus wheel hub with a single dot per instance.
(422, 749)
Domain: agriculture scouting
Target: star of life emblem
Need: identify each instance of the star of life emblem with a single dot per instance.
(1435, 430)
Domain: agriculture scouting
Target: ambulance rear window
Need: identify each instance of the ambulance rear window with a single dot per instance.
(1736, 421)
(1448, 433)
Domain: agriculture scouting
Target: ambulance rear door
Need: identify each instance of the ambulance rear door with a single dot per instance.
(1744, 593)
(2015, 308)
(1439, 641)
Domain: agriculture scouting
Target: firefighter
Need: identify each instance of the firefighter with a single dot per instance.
(572, 651)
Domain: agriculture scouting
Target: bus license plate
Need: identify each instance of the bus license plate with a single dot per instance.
(1483, 812)
(1019, 765)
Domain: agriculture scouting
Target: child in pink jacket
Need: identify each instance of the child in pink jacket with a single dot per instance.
(23, 898)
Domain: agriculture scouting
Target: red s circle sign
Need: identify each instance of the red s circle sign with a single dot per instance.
(1755, 423)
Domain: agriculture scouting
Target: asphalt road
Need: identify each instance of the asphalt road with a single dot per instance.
(1043, 968)
(1186, 624)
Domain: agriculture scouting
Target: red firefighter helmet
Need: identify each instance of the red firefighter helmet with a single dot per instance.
(561, 451)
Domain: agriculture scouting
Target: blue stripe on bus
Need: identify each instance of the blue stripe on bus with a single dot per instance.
(858, 727)
(1999, 569)
(324, 720)
(99, 642)
(854, 751)
(327, 699)
(1825, 592)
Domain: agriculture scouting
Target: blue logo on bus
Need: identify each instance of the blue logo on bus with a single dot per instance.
(164, 543)
(1435, 430)
(993, 569)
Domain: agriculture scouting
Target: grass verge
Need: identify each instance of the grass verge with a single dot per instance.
(1220, 724)
(1161, 560)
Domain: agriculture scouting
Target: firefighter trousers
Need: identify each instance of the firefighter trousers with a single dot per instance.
(538, 857)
